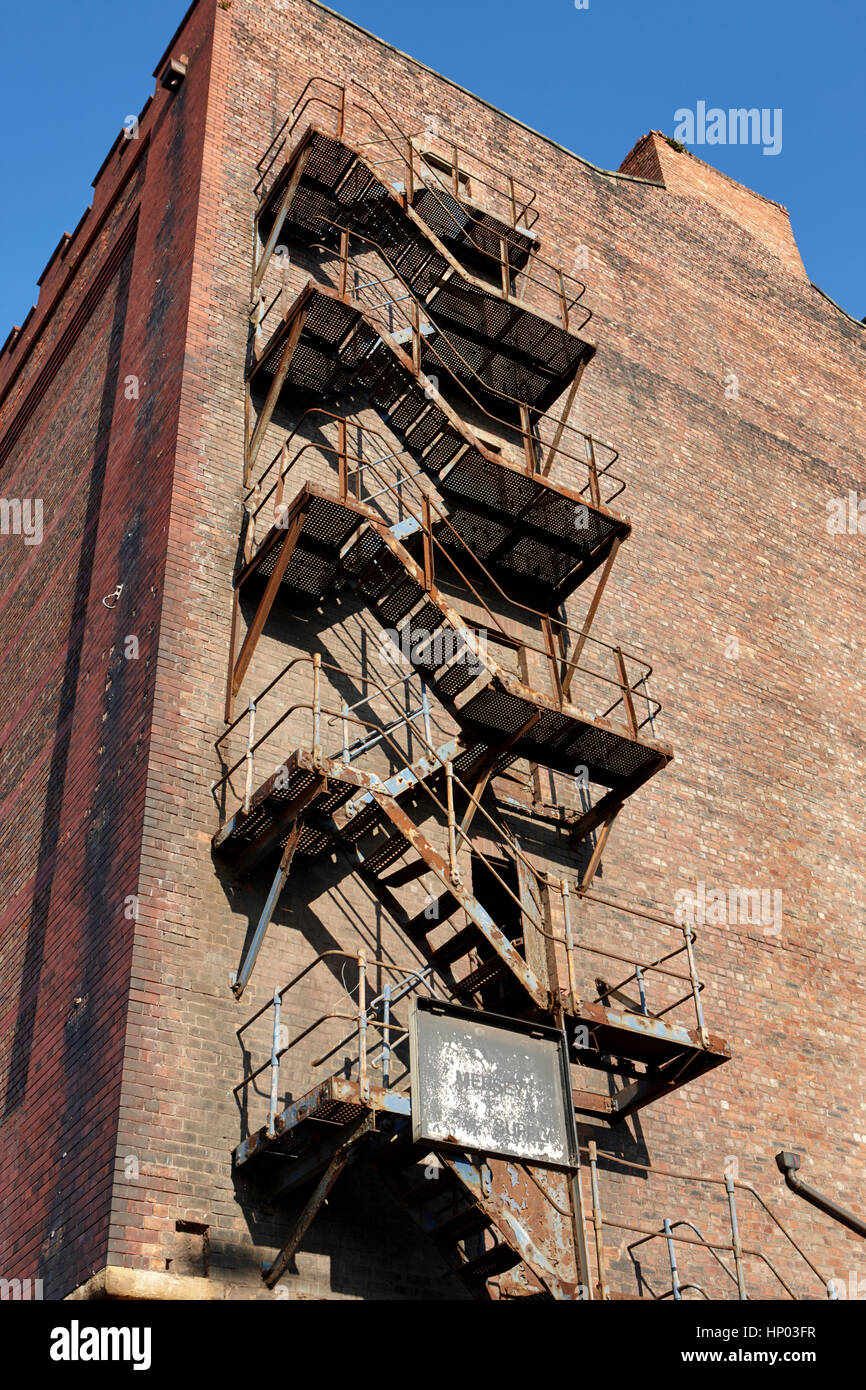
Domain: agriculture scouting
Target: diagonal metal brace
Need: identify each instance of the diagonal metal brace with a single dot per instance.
(272, 1273)
(241, 979)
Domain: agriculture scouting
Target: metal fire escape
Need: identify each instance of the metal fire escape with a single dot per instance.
(429, 304)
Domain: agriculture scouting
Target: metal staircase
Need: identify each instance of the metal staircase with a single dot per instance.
(439, 308)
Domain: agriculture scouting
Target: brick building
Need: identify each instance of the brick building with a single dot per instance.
(295, 382)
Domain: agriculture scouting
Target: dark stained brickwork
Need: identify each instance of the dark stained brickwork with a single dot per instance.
(732, 389)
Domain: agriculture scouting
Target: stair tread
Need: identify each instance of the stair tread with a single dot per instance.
(458, 945)
(496, 1260)
(486, 973)
(470, 1221)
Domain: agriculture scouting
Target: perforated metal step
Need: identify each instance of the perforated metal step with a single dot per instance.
(536, 539)
(494, 345)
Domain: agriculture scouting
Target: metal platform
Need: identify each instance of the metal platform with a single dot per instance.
(488, 703)
(488, 1221)
(504, 353)
(667, 1055)
(307, 1126)
(473, 235)
(541, 539)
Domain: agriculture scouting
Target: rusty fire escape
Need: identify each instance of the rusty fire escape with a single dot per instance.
(430, 305)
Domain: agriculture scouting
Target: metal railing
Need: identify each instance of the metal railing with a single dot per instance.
(373, 1026)
(391, 150)
(640, 970)
(734, 1246)
(563, 645)
(459, 837)
(541, 438)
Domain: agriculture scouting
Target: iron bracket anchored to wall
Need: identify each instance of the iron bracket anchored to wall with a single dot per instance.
(788, 1163)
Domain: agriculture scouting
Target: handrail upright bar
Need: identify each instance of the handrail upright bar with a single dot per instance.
(735, 1238)
(363, 1079)
(317, 706)
(275, 1067)
(672, 1260)
(597, 1220)
(688, 936)
(250, 754)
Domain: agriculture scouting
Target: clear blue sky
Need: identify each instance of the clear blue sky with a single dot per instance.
(594, 79)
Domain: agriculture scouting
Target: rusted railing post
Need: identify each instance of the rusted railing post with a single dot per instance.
(594, 489)
(569, 943)
(416, 337)
(342, 460)
(513, 196)
(641, 989)
(410, 172)
(735, 1238)
(452, 835)
(317, 706)
(427, 539)
(696, 985)
(251, 738)
(672, 1258)
(344, 265)
(363, 1081)
(563, 301)
(386, 1038)
(597, 1220)
(505, 268)
(341, 112)
(275, 1068)
(626, 692)
(528, 441)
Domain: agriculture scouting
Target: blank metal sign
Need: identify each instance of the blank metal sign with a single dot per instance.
(489, 1084)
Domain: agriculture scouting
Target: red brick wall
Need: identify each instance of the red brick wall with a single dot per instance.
(97, 448)
(691, 284)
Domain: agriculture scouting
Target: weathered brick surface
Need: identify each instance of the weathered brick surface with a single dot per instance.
(120, 1114)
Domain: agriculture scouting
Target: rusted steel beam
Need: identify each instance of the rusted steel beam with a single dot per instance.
(590, 617)
(266, 603)
(476, 913)
(273, 1272)
(626, 692)
(301, 156)
(248, 960)
(563, 421)
(297, 317)
(595, 858)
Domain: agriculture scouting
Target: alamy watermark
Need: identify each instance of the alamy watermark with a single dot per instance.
(748, 907)
(433, 649)
(22, 516)
(20, 1290)
(736, 126)
(846, 516)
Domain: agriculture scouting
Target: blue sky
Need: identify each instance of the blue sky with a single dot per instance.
(594, 79)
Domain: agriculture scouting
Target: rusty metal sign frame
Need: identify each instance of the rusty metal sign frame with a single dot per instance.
(484, 1020)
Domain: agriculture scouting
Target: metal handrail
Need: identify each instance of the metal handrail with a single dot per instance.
(637, 688)
(503, 266)
(736, 1248)
(530, 437)
(526, 206)
(566, 940)
(363, 1020)
(565, 299)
